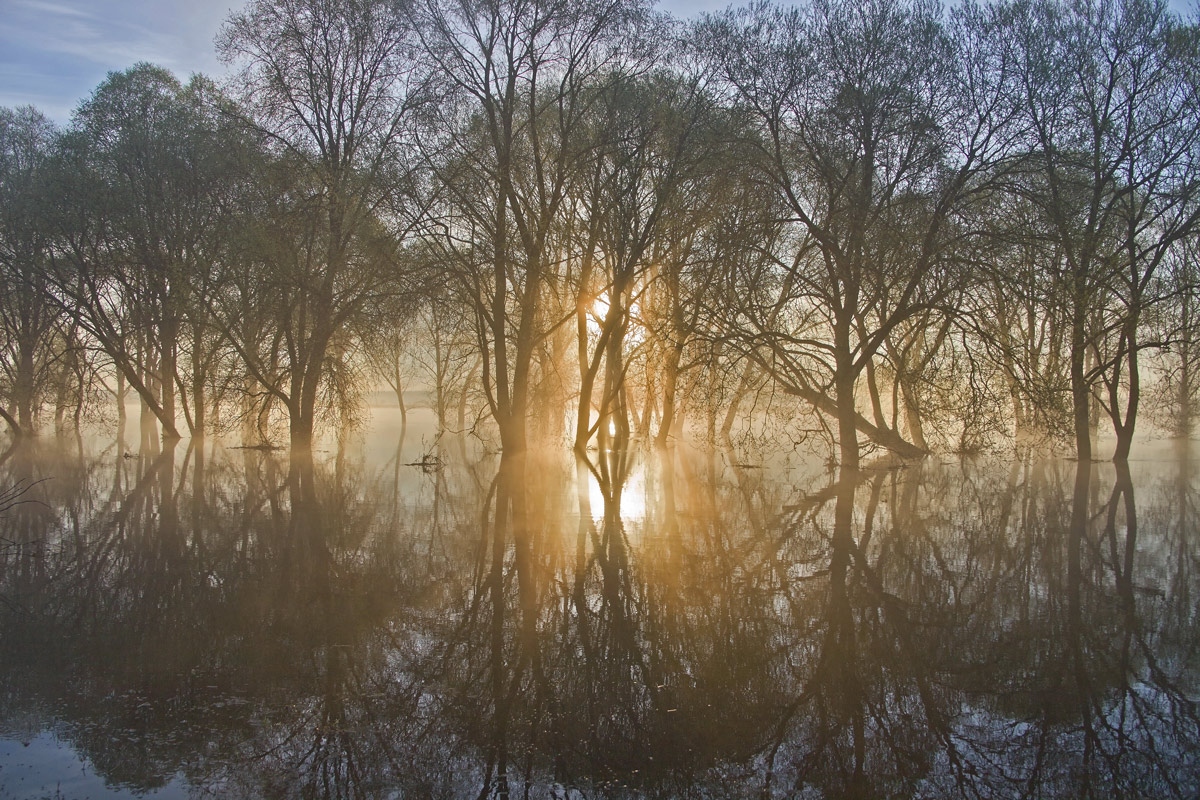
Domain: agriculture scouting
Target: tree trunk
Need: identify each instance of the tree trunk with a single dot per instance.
(23, 387)
(199, 401)
(404, 408)
(1183, 422)
(735, 403)
(847, 419)
(1185, 412)
(12, 423)
(300, 428)
(583, 418)
(912, 415)
(303, 409)
(1081, 394)
(122, 414)
(149, 429)
(844, 395)
(143, 384)
(1124, 424)
(168, 367)
(670, 384)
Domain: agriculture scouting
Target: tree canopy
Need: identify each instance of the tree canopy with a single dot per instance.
(869, 225)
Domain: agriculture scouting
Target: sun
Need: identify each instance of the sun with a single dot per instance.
(601, 306)
(633, 497)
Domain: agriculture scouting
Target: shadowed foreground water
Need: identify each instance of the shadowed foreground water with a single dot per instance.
(233, 623)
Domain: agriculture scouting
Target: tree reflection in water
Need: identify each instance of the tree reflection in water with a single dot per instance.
(319, 626)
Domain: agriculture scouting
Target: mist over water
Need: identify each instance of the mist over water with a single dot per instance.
(652, 623)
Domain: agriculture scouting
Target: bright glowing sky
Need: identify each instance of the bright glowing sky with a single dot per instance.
(53, 53)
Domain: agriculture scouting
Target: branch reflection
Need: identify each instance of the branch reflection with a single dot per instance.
(634, 623)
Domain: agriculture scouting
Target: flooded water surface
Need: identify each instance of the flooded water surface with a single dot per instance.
(222, 622)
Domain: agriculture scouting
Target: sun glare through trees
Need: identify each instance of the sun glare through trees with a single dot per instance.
(915, 229)
(693, 319)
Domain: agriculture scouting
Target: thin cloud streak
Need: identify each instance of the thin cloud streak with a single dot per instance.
(55, 8)
(54, 54)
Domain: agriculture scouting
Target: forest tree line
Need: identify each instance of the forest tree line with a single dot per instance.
(926, 228)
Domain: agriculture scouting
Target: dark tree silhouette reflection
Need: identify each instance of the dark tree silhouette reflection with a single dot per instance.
(643, 624)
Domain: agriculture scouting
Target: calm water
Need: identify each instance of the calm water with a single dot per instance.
(230, 623)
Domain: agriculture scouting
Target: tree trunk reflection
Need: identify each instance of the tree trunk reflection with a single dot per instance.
(624, 623)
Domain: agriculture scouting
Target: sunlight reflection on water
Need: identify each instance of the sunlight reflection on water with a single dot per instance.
(745, 623)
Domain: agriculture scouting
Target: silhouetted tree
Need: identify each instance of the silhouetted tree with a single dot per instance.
(333, 88)
(144, 178)
(875, 134)
(32, 343)
(1109, 101)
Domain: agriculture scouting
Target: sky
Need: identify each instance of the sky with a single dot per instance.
(53, 53)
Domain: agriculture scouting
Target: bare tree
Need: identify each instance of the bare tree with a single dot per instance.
(647, 187)
(1176, 391)
(333, 87)
(143, 176)
(874, 135)
(29, 322)
(514, 134)
(1111, 106)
